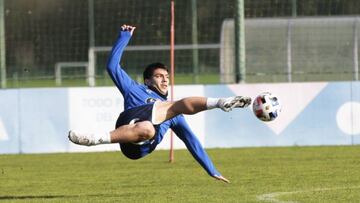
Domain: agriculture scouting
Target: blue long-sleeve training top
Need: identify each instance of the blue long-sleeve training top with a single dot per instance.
(136, 94)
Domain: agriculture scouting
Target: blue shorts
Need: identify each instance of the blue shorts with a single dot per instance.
(133, 115)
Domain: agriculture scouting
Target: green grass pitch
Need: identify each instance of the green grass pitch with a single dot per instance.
(281, 174)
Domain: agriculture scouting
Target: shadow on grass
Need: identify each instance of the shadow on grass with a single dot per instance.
(24, 197)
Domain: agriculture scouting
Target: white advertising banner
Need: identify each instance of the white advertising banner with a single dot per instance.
(9, 121)
(43, 114)
(94, 110)
(36, 120)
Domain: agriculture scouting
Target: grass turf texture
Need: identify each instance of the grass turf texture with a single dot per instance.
(104, 81)
(180, 79)
(301, 174)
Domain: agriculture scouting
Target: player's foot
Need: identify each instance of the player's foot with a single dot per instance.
(227, 104)
(81, 139)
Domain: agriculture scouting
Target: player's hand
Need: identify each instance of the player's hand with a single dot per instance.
(129, 28)
(221, 178)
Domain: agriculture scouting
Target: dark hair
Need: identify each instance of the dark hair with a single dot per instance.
(149, 70)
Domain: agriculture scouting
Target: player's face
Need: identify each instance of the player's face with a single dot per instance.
(160, 80)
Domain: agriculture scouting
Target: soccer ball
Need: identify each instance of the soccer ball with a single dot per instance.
(266, 107)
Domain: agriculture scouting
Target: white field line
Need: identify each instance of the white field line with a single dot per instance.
(273, 197)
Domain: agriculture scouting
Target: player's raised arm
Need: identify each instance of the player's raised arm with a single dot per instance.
(117, 74)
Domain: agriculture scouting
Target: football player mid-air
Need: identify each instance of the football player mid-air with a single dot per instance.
(148, 115)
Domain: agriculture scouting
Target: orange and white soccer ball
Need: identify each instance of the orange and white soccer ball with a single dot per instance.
(266, 107)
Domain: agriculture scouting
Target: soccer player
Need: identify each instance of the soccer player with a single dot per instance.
(148, 115)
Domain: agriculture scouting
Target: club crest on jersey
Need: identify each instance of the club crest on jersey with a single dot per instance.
(150, 100)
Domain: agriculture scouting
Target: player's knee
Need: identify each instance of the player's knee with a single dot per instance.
(146, 130)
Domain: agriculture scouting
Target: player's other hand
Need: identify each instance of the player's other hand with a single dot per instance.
(221, 178)
(129, 28)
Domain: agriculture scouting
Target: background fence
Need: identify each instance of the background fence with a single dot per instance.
(286, 40)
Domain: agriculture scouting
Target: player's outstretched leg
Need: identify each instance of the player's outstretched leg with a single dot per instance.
(192, 105)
